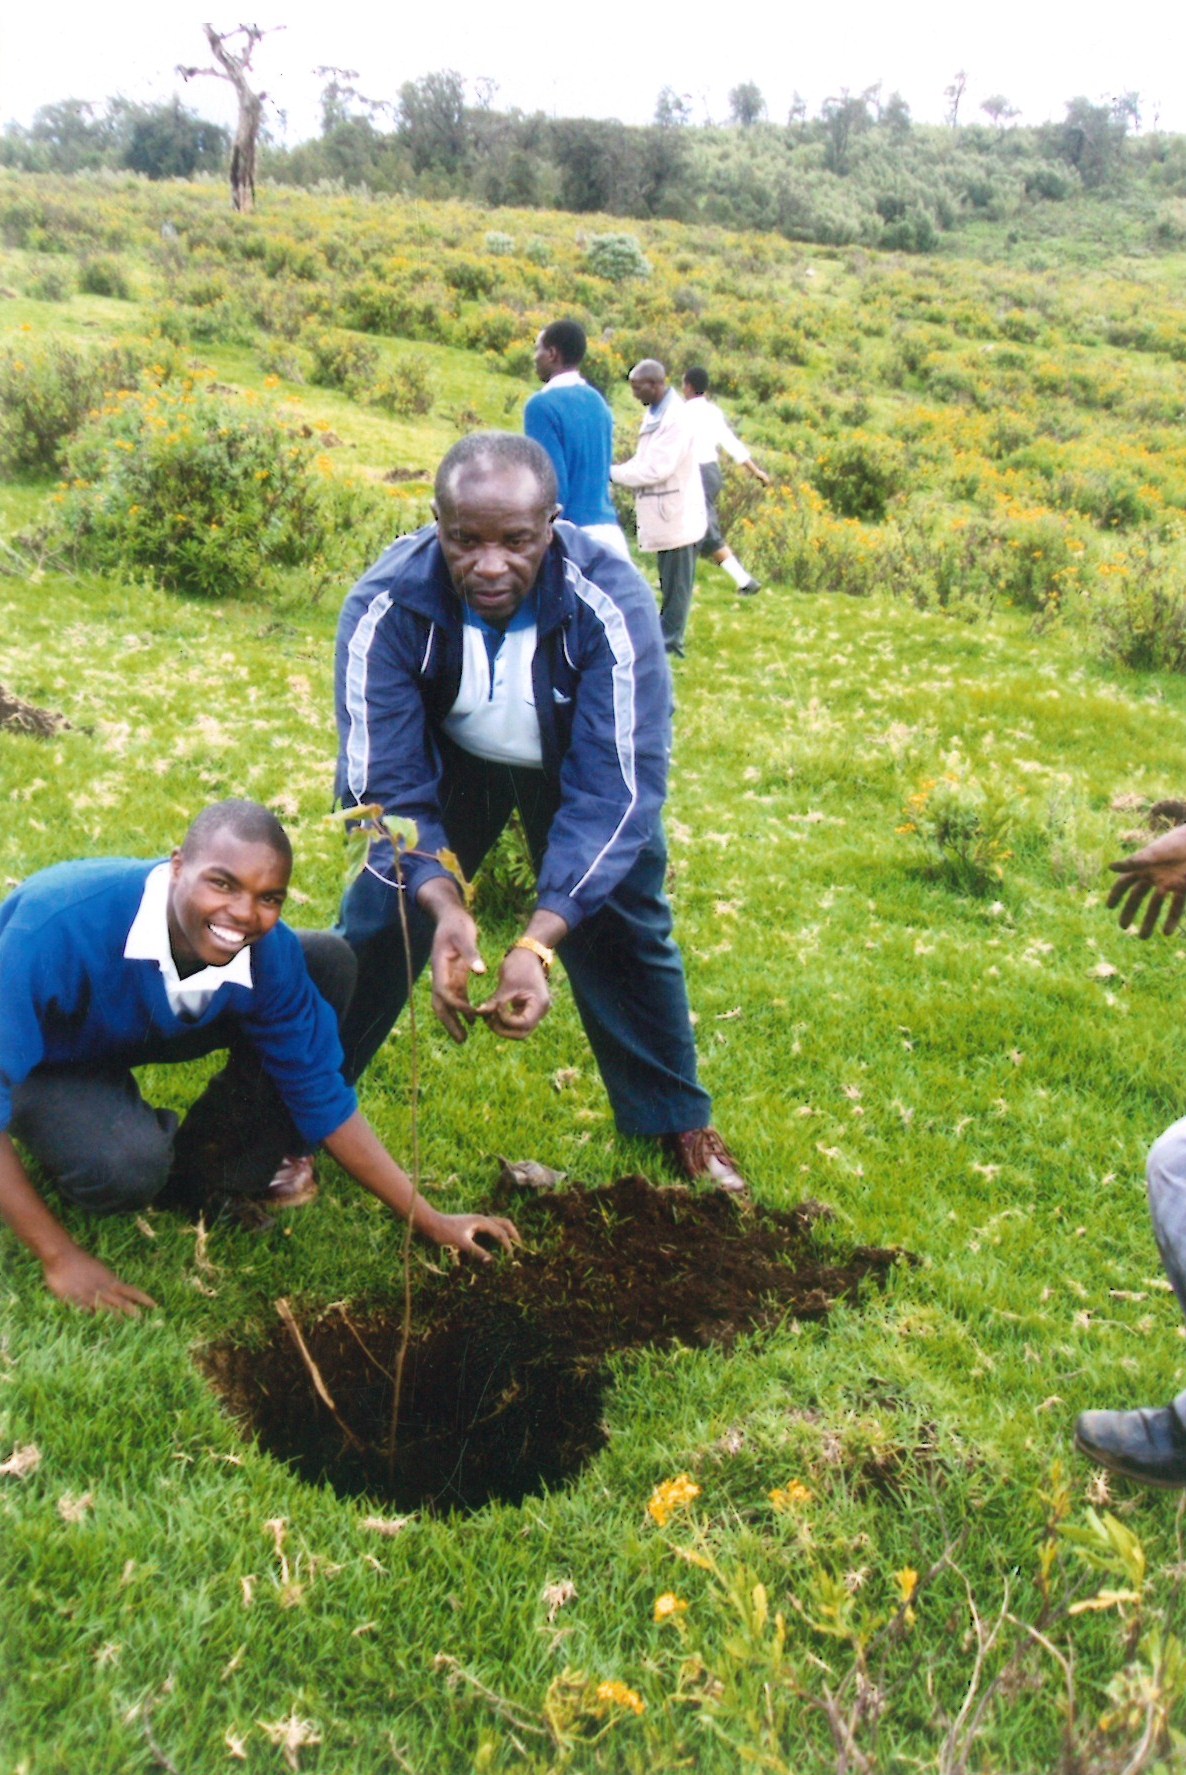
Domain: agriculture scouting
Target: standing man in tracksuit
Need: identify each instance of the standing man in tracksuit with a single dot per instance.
(500, 659)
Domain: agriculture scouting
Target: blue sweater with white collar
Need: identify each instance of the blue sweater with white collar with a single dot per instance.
(70, 997)
(576, 427)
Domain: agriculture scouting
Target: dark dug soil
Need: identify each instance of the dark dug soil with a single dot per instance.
(503, 1385)
(23, 717)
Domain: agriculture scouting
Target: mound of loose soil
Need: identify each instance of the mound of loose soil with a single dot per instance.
(27, 717)
(505, 1373)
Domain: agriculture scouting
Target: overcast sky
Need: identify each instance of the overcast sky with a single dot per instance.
(612, 58)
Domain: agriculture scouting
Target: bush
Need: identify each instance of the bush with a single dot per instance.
(342, 361)
(490, 329)
(964, 828)
(794, 540)
(46, 392)
(408, 389)
(277, 359)
(206, 495)
(104, 277)
(860, 476)
(616, 257)
(1138, 614)
(51, 285)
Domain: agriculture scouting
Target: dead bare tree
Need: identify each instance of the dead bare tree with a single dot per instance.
(234, 65)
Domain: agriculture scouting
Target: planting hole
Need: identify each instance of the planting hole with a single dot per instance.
(507, 1365)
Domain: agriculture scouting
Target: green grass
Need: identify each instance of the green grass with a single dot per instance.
(954, 1073)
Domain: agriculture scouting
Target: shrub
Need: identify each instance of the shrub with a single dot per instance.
(408, 389)
(860, 476)
(51, 285)
(104, 277)
(617, 257)
(469, 275)
(277, 359)
(46, 392)
(286, 309)
(964, 828)
(206, 495)
(502, 245)
(1138, 614)
(795, 540)
(171, 323)
(490, 329)
(340, 360)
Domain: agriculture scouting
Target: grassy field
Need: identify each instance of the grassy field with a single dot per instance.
(958, 1051)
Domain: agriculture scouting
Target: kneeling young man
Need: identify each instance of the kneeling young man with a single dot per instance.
(112, 963)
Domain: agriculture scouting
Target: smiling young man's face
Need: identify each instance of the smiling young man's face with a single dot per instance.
(494, 532)
(224, 898)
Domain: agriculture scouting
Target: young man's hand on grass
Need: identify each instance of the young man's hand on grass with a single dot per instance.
(83, 1281)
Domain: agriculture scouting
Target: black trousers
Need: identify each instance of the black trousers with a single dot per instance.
(623, 962)
(110, 1152)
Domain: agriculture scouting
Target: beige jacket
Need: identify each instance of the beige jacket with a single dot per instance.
(665, 474)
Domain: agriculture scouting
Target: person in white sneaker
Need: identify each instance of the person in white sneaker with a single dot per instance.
(713, 434)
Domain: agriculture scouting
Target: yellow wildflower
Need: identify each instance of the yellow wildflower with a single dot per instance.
(786, 1497)
(671, 1496)
(668, 1606)
(618, 1695)
(907, 1582)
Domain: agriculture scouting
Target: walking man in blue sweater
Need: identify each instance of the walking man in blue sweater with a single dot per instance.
(575, 426)
(108, 964)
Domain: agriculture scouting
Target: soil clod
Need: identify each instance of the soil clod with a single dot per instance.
(22, 717)
(506, 1370)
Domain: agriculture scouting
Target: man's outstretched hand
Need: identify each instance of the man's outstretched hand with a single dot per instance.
(1156, 874)
(85, 1282)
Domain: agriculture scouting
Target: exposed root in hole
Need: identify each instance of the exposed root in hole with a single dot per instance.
(506, 1369)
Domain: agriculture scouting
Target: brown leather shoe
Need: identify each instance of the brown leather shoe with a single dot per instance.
(702, 1156)
(293, 1185)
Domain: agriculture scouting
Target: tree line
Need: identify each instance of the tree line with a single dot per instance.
(860, 170)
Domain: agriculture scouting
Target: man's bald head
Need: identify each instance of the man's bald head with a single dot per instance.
(491, 455)
(648, 381)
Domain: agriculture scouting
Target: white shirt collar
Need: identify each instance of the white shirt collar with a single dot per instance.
(148, 940)
(566, 379)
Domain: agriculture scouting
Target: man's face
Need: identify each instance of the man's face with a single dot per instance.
(648, 389)
(547, 360)
(494, 533)
(223, 899)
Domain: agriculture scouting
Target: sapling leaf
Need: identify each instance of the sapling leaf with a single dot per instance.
(403, 833)
(358, 849)
(448, 860)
